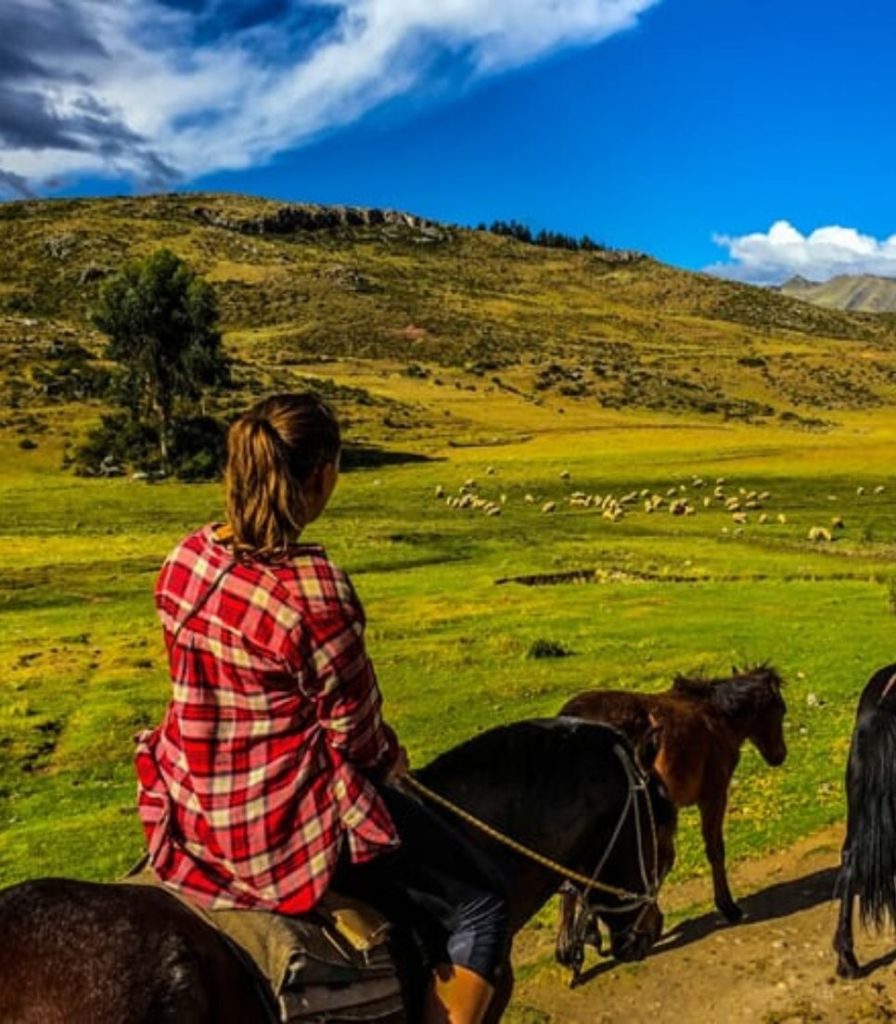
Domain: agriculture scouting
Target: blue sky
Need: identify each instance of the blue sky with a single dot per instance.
(753, 137)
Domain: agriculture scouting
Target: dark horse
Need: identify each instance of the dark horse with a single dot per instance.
(868, 860)
(704, 724)
(578, 793)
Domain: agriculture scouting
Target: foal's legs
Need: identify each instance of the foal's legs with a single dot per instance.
(712, 815)
(847, 965)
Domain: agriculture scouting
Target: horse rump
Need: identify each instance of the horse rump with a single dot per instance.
(78, 952)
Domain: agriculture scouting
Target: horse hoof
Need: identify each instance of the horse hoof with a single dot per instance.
(732, 913)
(848, 968)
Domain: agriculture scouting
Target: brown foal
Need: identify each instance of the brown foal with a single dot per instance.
(704, 725)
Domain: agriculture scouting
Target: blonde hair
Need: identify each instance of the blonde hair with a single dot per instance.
(272, 450)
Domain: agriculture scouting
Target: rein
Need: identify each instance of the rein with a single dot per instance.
(631, 900)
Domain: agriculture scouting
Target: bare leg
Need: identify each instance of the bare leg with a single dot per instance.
(456, 996)
(847, 965)
(712, 815)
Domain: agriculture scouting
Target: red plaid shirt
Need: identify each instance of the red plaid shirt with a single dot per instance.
(262, 763)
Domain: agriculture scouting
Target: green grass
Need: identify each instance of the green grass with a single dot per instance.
(82, 665)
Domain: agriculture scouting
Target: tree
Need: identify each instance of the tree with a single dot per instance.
(162, 324)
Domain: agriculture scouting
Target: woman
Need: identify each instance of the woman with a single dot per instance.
(270, 771)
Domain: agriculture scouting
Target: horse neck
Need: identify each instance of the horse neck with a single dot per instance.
(557, 816)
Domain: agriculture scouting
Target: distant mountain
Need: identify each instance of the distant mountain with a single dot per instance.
(862, 293)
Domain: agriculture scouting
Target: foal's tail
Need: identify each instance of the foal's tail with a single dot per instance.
(871, 793)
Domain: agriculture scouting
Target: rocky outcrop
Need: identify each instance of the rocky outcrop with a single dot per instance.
(287, 220)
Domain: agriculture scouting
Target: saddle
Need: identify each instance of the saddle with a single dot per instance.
(332, 966)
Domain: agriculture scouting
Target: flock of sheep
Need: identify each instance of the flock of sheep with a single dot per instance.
(679, 500)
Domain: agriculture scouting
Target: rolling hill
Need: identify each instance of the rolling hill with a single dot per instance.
(350, 297)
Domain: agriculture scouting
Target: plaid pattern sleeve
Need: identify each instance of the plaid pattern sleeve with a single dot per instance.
(346, 691)
(261, 768)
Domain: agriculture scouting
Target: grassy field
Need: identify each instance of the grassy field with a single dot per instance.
(657, 377)
(83, 667)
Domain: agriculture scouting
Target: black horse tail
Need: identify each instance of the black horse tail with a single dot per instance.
(871, 793)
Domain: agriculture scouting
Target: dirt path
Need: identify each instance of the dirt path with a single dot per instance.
(775, 968)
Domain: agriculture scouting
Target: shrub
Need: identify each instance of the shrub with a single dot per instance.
(548, 649)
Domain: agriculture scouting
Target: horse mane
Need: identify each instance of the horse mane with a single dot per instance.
(734, 695)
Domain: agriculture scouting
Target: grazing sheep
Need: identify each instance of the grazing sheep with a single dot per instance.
(490, 471)
(440, 491)
(564, 475)
(707, 501)
(819, 533)
(645, 492)
(879, 489)
(549, 506)
(671, 492)
(763, 519)
(720, 481)
(733, 504)
(689, 510)
(495, 510)
(765, 495)
(782, 518)
(740, 517)
(698, 481)
(627, 499)
(648, 506)
(503, 499)
(837, 523)
(529, 499)
(860, 490)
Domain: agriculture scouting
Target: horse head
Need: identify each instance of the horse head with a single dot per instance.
(630, 869)
(766, 730)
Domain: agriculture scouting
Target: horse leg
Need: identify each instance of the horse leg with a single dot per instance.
(712, 814)
(501, 998)
(565, 951)
(847, 965)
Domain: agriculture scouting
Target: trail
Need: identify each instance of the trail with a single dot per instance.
(777, 967)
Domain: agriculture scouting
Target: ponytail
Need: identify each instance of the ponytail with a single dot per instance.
(272, 450)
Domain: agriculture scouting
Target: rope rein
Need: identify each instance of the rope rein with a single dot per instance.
(588, 883)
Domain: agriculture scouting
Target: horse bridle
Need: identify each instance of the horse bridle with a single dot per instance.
(586, 912)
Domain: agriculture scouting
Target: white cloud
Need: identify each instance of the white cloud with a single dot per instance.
(233, 101)
(783, 251)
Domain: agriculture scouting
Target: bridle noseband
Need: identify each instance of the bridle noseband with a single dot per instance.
(586, 913)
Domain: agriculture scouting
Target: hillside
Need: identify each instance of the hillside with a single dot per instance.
(863, 293)
(349, 296)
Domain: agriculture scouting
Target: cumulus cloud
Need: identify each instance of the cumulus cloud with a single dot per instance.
(783, 251)
(160, 90)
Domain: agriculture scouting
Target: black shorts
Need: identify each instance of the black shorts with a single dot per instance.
(437, 883)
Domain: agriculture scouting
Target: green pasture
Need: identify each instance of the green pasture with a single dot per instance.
(82, 664)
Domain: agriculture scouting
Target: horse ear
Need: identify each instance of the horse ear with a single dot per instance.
(648, 747)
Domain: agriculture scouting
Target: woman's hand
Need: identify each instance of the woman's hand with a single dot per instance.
(400, 766)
